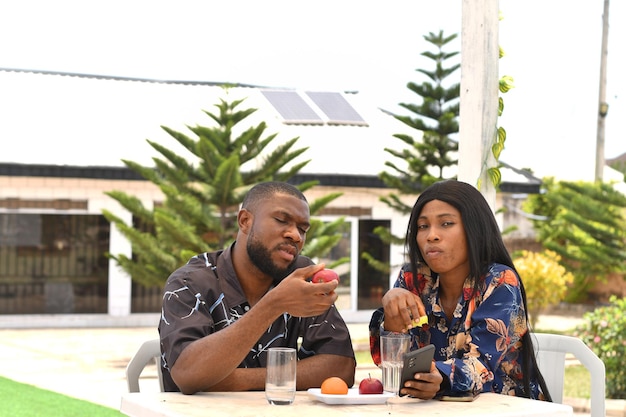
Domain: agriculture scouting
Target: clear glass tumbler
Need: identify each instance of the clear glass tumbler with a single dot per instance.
(393, 346)
(280, 383)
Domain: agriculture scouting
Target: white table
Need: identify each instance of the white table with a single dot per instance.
(249, 404)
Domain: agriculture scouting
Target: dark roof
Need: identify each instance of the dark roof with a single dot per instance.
(532, 185)
(619, 159)
(124, 173)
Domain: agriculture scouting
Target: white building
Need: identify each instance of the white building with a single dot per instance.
(53, 238)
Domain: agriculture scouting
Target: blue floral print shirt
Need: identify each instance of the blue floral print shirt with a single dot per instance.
(479, 350)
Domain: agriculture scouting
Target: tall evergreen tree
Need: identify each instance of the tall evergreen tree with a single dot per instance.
(435, 119)
(203, 190)
(585, 224)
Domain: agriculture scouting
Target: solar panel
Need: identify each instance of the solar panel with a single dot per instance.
(336, 108)
(292, 107)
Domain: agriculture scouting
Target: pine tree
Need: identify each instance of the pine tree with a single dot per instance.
(436, 119)
(202, 197)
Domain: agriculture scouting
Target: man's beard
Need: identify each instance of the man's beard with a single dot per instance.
(262, 259)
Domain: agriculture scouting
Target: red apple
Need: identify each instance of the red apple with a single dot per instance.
(371, 386)
(325, 275)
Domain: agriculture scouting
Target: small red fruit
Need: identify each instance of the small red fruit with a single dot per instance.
(371, 386)
(325, 275)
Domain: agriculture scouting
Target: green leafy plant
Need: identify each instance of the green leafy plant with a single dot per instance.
(584, 223)
(604, 331)
(505, 83)
(545, 280)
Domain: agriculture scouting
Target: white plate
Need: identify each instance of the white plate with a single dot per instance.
(352, 397)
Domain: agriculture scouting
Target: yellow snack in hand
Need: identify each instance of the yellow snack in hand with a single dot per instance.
(420, 322)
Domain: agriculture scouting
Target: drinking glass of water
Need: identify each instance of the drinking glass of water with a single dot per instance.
(280, 383)
(393, 346)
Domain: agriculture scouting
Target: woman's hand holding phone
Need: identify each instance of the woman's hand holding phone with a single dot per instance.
(420, 362)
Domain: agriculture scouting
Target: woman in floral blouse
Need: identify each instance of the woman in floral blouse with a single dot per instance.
(461, 276)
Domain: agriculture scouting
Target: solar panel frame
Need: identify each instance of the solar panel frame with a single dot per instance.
(336, 108)
(292, 107)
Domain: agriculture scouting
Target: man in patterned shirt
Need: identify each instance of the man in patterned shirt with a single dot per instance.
(224, 309)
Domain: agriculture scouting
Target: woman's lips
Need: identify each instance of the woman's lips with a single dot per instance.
(432, 252)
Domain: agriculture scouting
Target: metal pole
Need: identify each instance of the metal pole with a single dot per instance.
(603, 106)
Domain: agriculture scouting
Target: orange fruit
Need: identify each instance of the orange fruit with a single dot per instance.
(334, 385)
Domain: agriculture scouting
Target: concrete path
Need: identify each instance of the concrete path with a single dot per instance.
(89, 363)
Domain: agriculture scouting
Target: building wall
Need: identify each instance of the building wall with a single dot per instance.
(87, 196)
(17, 194)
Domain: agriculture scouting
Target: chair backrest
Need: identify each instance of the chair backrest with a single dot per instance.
(149, 350)
(551, 350)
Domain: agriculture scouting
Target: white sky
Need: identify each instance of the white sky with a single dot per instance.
(552, 46)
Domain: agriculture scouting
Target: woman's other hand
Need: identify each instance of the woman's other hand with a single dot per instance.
(401, 308)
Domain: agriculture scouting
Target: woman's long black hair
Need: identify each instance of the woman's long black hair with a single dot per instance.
(484, 247)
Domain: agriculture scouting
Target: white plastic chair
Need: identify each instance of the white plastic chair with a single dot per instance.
(551, 350)
(149, 350)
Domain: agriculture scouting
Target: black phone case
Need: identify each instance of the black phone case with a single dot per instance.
(416, 361)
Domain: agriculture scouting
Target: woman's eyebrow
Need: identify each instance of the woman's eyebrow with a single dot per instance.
(439, 215)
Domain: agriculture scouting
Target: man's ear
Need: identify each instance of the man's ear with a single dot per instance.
(244, 220)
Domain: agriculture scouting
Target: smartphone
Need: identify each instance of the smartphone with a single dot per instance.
(417, 361)
(460, 396)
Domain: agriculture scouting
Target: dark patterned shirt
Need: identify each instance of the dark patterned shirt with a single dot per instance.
(480, 349)
(204, 297)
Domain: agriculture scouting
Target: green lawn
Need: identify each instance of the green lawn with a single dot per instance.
(22, 400)
(577, 382)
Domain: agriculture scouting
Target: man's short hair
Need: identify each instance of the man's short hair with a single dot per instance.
(266, 190)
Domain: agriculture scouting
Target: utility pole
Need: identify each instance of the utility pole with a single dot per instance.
(603, 106)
